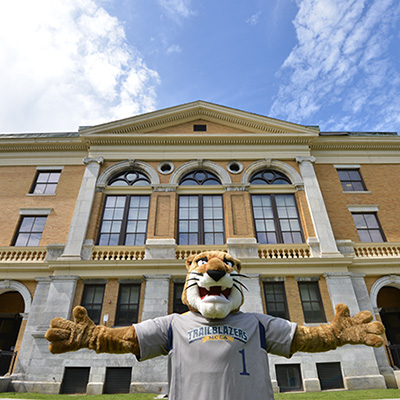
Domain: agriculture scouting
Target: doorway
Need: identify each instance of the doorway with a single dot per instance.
(389, 302)
(11, 307)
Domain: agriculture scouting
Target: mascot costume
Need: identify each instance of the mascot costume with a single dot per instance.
(215, 351)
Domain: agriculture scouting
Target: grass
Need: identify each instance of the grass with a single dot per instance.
(330, 395)
(342, 395)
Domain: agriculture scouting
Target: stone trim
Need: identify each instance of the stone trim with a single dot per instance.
(347, 166)
(362, 208)
(391, 280)
(21, 289)
(289, 171)
(200, 164)
(35, 211)
(124, 165)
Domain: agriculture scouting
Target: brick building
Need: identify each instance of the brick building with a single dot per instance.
(105, 216)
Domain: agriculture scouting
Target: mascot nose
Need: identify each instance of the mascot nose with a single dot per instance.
(216, 274)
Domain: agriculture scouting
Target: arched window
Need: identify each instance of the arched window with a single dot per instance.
(199, 177)
(124, 219)
(276, 218)
(201, 216)
(269, 177)
(129, 178)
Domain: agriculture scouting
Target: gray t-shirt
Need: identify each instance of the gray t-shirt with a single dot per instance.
(216, 359)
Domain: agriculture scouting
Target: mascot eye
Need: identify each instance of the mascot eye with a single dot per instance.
(202, 261)
(227, 262)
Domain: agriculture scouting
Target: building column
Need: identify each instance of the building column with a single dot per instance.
(359, 364)
(156, 296)
(317, 207)
(83, 208)
(365, 303)
(35, 366)
(152, 375)
(252, 297)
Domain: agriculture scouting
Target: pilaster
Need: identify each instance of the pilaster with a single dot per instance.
(156, 296)
(252, 296)
(83, 208)
(318, 210)
(360, 368)
(365, 303)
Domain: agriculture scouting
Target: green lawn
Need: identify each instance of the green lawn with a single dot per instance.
(342, 395)
(332, 395)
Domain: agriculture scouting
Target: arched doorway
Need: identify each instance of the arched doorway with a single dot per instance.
(12, 305)
(388, 300)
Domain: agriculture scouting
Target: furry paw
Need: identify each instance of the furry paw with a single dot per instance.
(65, 335)
(358, 329)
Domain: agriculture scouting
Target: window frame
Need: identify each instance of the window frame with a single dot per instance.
(124, 221)
(379, 226)
(18, 230)
(92, 303)
(278, 229)
(200, 219)
(352, 181)
(315, 318)
(275, 284)
(286, 368)
(118, 310)
(177, 306)
(35, 182)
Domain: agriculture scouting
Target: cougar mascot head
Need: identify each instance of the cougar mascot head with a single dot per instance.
(213, 284)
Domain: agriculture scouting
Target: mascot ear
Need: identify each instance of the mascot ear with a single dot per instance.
(189, 261)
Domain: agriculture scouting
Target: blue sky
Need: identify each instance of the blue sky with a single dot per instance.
(332, 63)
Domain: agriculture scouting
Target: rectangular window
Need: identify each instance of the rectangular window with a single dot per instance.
(275, 299)
(124, 221)
(200, 128)
(351, 180)
(128, 304)
(368, 227)
(178, 307)
(118, 380)
(30, 230)
(75, 380)
(311, 301)
(45, 182)
(289, 377)
(330, 375)
(92, 300)
(201, 220)
(276, 219)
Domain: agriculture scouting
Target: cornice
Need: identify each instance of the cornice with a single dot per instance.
(192, 140)
(198, 110)
(34, 143)
(356, 143)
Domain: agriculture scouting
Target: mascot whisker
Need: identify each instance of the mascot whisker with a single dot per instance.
(227, 348)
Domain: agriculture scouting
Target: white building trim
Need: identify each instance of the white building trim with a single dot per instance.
(8, 286)
(280, 166)
(222, 174)
(391, 280)
(125, 165)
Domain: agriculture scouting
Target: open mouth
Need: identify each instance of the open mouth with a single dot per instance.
(214, 291)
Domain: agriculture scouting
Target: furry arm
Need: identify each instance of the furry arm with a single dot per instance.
(343, 330)
(65, 335)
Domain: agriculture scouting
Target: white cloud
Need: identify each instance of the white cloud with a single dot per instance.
(341, 59)
(253, 20)
(177, 9)
(175, 48)
(65, 64)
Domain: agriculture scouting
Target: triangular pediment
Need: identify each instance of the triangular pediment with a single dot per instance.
(180, 120)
